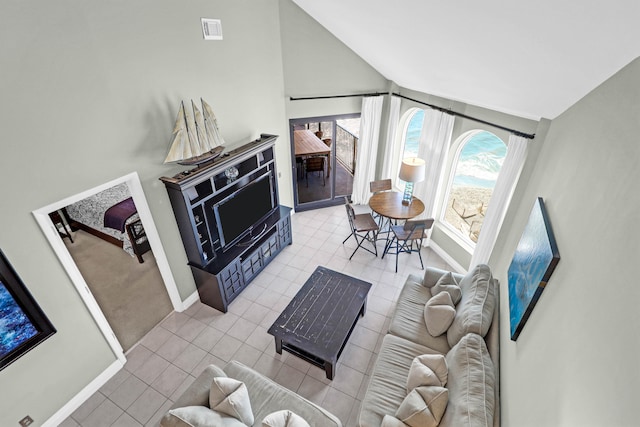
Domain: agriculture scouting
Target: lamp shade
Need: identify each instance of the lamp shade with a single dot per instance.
(412, 170)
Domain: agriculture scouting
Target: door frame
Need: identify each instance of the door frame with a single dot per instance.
(51, 233)
(316, 204)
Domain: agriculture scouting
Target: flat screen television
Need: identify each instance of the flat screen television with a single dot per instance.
(237, 214)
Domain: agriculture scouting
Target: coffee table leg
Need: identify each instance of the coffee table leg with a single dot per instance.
(328, 368)
(363, 310)
(278, 345)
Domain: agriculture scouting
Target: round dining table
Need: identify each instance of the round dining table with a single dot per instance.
(389, 204)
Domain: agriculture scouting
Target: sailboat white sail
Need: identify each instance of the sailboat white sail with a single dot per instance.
(196, 137)
(210, 122)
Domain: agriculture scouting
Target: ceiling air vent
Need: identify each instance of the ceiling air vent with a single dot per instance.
(211, 29)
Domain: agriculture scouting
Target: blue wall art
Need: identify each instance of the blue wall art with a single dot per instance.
(23, 325)
(533, 263)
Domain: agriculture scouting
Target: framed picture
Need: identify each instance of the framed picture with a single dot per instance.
(535, 258)
(23, 325)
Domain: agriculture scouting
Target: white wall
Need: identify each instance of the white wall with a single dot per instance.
(90, 91)
(576, 360)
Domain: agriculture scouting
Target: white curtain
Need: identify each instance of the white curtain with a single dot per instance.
(367, 148)
(435, 139)
(391, 152)
(502, 192)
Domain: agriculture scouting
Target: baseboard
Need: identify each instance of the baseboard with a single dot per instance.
(446, 257)
(84, 394)
(191, 299)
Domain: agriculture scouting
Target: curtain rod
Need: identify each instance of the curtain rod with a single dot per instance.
(448, 111)
(291, 98)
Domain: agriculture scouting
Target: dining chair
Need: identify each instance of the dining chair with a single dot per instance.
(363, 229)
(408, 238)
(380, 185)
(314, 164)
(377, 187)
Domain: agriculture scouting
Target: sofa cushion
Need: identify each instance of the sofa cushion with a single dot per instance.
(408, 317)
(471, 384)
(427, 369)
(230, 396)
(439, 313)
(267, 397)
(423, 406)
(447, 283)
(474, 312)
(387, 385)
(284, 418)
(198, 416)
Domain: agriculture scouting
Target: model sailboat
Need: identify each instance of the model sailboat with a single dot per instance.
(196, 137)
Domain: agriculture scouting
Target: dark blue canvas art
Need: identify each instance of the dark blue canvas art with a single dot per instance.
(534, 260)
(15, 326)
(23, 325)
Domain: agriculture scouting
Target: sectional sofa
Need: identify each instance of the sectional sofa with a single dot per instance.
(457, 382)
(215, 399)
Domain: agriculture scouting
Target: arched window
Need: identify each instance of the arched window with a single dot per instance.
(412, 134)
(475, 167)
(410, 142)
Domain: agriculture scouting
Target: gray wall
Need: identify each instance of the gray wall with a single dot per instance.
(90, 91)
(576, 360)
(317, 64)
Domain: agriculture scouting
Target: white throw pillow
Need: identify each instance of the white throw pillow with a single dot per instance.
(423, 406)
(231, 397)
(389, 421)
(427, 370)
(447, 283)
(439, 313)
(284, 418)
(199, 416)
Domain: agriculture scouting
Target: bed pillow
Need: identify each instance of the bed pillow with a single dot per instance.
(284, 418)
(447, 283)
(439, 313)
(198, 416)
(427, 370)
(230, 396)
(423, 406)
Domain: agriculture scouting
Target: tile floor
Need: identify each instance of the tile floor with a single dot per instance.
(169, 358)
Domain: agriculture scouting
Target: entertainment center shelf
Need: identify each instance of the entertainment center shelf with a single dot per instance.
(230, 220)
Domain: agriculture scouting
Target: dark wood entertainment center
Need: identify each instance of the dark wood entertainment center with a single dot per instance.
(226, 253)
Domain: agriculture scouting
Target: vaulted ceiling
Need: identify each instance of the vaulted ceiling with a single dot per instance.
(529, 58)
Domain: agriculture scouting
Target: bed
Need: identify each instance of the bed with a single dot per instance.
(112, 216)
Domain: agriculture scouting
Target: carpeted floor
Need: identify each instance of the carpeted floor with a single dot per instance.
(131, 295)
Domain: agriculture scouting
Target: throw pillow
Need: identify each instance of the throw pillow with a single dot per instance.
(284, 418)
(231, 397)
(423, 406)
(474, 313)
(439, 313)
(447, 283)
(389, 421)
(197, 416)
(427, 370)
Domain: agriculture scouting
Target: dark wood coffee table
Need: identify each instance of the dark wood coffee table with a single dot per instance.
(318, 321)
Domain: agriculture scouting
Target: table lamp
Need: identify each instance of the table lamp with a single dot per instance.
(411, 171)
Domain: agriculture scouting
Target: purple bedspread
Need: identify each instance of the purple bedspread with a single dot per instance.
(116, 216)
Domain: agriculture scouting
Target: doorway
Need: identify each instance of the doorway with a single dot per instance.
(120, 271)
(323, 176)
(159, 264)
